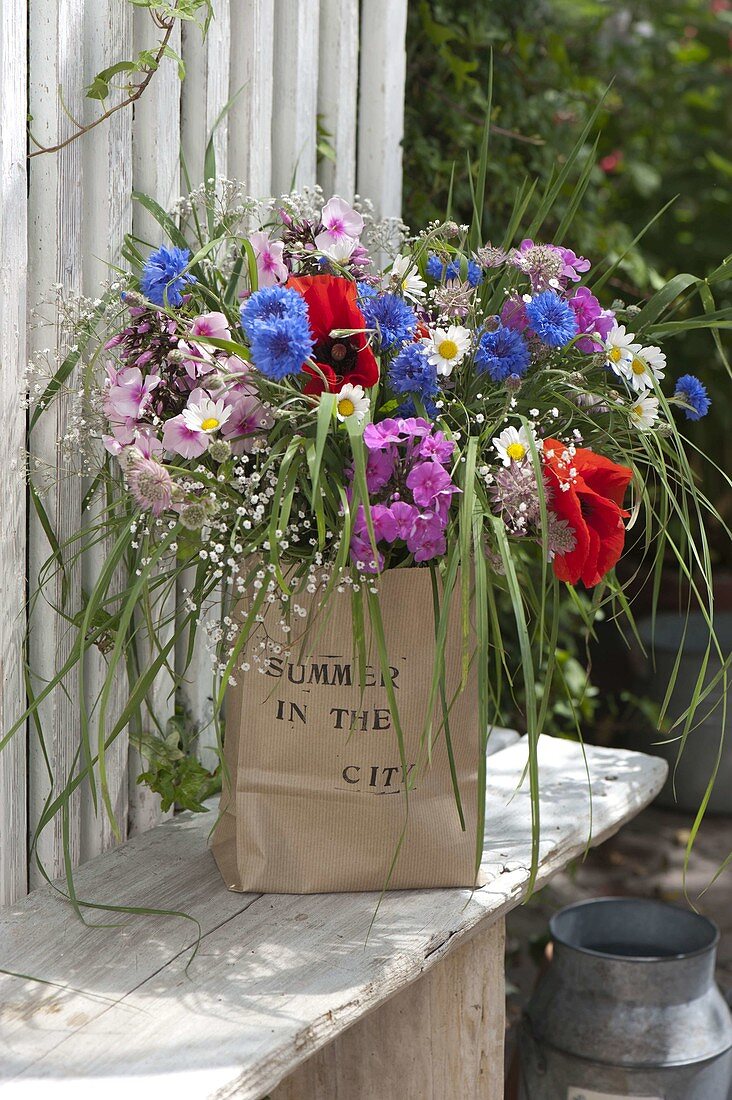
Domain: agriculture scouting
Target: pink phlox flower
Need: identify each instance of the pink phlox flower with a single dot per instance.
(249, 418)
(380, 468)
(591, 318)
(404, 516)
(427, 481)
(513, 314)
(271, 267)
(363, 556)
(131, 393)
(214, 325)
(574, 265)
(182, 440)
(340, 220)
(436, 446)
(427, 539)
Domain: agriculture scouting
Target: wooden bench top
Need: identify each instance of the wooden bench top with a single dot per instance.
(275, 976)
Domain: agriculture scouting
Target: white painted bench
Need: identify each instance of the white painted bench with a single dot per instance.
(286, 996)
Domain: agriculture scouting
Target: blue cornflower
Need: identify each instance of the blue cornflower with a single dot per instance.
(412, 372)
(271, 303)
(162, 278)
(694, 394)
(365, 290)
(281, 346)
(475, 273)
(502, 353)
(551, 318)
(391, 317)
(408, 408)
(434, 267)
(452, 271)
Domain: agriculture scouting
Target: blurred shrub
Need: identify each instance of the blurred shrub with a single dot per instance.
(663, 132)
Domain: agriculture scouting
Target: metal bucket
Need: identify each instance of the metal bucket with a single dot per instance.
(687, 781)
(628, 1008)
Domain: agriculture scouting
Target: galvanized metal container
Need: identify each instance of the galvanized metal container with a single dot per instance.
(628, 1008)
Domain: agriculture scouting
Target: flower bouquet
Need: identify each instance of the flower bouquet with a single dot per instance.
(350, 441)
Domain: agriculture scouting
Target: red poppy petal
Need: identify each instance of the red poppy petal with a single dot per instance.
(603, 476)
(565, 505)
(607, 534)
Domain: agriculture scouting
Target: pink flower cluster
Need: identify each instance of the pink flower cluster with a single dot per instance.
(410, 491)
(175, 392)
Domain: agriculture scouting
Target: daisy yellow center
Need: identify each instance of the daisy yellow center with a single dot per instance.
(639, 366)
(615, 355)
(637, 410)
(346, 407)
(516, 451)
(448, 349)
(209, 424)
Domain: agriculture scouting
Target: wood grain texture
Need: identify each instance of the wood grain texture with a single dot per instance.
(156, 172)
(13, 265)
(251, 80)
(276, 977)
(107, 210)
(55, 256)
(338, 94)
(205, 92)
(442, 1036)
(295, 96)
(381, 104)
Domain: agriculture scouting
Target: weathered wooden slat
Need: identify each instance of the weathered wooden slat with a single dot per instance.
(295, 98)
(338, 94)
(13, 261)
(273, 982)
(251, 81)
(381, 104)
(205, 92)
(55, 256)
(441, 1036)
(156, 172)
(107, 206)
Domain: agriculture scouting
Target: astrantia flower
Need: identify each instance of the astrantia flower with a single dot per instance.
(501, 353)
(204, 415)
(491, 255)
(352, 401)
(646, 365)
(644, 412)
(619, 347)
(341, 346)
(551, 318)
(391, 317)
(412, 372)
(693, 395)
(411, 283)
(150, 484)
(163, 276)
(434, 267)
(513, 445)
(271, 268)
(541, 262)
(515, 496)
(447, 347)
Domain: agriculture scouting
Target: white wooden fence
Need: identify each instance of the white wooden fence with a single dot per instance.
(62, 220)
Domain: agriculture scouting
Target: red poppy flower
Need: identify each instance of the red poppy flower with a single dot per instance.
(592, 504)
(332, 305)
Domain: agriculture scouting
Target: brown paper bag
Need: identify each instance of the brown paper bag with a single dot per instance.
(314, 796)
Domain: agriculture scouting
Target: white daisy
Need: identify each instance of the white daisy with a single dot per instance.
(619, 347)
(646, 365)
(447, 347)
(513, 444)
(411, 283)
(205, 415)
(644, 412)
(351, 401)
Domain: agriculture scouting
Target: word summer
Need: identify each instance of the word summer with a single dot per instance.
(329, 671)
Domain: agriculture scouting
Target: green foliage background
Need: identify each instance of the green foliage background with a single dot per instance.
(664, 131)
